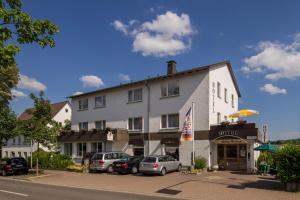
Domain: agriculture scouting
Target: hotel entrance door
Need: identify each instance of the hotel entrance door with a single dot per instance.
(232, 156)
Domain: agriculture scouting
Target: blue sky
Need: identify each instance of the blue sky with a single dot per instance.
(103, 43)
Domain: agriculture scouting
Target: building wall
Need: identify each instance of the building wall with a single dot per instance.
(217, 104)
(24, 146)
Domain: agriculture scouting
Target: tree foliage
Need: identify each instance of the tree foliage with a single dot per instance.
(7, 124)
(17, 27)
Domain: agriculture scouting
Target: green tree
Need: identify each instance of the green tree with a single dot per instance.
(17, 27)
(40, 128)
(8, 123)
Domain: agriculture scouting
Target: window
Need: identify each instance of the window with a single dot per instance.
(232, 100)
(219, 89)
(67, 110)
(170, 89)
(100, 125)
(170, 121)
(225, 95)
(6, 154)
(81, 149)
(83, 104)
(135, 95)
(218, 118)
(83, 125)
(97, 147)
(135, 124)
(25, 154)
(68, 149)
(19, 140)
(100, 101)
(14, 141)
(20, 154)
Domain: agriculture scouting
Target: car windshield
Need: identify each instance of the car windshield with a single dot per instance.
(149, 159)
(97, 156)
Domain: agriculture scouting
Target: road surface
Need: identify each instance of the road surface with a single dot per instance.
(25, 190)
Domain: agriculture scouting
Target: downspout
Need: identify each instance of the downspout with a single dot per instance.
(148, 115)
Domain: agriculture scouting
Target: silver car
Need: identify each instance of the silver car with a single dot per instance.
(159, 165)
(104, 161)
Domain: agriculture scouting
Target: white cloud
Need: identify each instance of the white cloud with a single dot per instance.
(17, 93)
(168, 34)
(32, 84)
(271, 89)
(91, 81)
(124, 77)
(276, 59)
(77, 93)
(118, 25)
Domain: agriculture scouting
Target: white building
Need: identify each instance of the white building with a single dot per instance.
(19, 147)
(153, 111)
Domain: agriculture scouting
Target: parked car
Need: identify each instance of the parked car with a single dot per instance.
(128, 165)
(12, 166)
(104, 161)
(159, 165)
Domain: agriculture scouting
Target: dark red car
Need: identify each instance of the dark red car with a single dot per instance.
(128, 165)
(12, 166)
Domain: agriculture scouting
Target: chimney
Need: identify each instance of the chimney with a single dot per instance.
(171, 67)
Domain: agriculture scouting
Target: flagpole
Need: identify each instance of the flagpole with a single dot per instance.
(193, 133)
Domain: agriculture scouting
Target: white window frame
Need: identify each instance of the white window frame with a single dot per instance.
(225, 95)
(82, 105)
(77, 149)
(97, 146)
(80, 126)
(102, 103)
(167, 92)
(102, 124)
(69, 150)
(132, 125)
(219, 89)
(134, 96)
(219, 119)
(167, 121)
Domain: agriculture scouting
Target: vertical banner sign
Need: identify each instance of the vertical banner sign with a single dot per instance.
(187, 132)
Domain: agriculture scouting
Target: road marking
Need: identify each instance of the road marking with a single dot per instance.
(16, 193)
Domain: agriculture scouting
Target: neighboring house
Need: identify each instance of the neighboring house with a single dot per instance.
(19, 147)
(153, 112)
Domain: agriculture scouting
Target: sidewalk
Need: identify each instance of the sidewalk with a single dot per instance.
(207, 186)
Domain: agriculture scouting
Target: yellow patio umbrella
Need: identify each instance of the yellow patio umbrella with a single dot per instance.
(244, 113)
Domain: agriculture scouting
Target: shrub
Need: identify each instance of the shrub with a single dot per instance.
(200, 163)
(288, 161)
(75, 168)
(267, 157)
(51, 160)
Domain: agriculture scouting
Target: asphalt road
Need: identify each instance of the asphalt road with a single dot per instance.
(24, 190)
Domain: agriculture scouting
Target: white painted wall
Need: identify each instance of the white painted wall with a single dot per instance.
(221, 74)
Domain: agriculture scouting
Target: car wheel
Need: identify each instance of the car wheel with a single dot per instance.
(110, 169)
(163, 172)
(3, 173)
(134, 170)
(179, 168)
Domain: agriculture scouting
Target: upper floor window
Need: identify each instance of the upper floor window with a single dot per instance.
(100, 125)
(83, 104)
(232, 100)
(135, 124)
(225, 95)
(170, 121)
(219, 89)
(100, 101)
(218, 118)
(83, 126)
(135, 95)
(170, 89)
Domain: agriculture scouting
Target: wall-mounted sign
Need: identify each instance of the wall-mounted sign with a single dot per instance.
(110, 136)
(228, 132)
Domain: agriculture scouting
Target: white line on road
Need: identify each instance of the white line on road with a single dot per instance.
(16, 193)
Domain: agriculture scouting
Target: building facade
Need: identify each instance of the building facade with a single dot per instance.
(151, 113)
(20, 147)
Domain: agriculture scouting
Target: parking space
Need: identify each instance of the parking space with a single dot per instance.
(219, 185)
